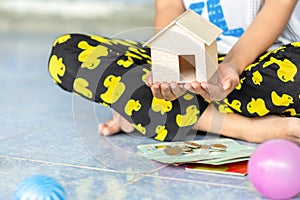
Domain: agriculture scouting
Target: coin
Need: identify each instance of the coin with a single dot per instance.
(218, 146)
(188, 151)
(173, 151)
(192, 144)
(185, 149)
(204, 146)
(217, 150)
(162, 146)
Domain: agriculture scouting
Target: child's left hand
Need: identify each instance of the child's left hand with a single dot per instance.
(225, 79)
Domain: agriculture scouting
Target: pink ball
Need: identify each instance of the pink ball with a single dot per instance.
(274, 169)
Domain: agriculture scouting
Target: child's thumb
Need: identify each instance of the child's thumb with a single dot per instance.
(226, 85)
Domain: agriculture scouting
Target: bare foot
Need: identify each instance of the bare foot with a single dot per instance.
(115, 125)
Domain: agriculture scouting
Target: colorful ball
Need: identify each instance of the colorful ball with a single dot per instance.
(273, 169)
(39, 187)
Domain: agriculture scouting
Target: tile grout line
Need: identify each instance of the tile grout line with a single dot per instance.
(131, 182)
(139, 177)
(142, 175)
(76, 166)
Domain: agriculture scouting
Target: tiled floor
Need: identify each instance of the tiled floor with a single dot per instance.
(47, 131)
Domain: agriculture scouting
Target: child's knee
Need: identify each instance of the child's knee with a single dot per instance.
(61, 39)
(63, 65)
(56, 68)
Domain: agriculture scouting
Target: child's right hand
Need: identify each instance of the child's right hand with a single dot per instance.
(168, 91)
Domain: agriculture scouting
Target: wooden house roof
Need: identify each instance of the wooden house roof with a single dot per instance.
(196, 25)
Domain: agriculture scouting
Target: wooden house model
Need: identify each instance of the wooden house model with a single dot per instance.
(185, 50)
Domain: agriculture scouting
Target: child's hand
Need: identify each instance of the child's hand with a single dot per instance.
(219, 86)
(167, 91)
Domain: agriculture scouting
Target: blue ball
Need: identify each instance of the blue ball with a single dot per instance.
(40, 187)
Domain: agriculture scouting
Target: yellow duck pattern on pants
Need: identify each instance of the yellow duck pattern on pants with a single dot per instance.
(112, 72)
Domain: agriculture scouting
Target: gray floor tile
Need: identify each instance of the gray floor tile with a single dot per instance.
(45, 130)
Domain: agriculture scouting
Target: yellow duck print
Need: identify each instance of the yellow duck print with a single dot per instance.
(80, 85)
(257, 106)
(134, 53)
(104, 104)
(62, 39)
(90, 55)
(235, 104)
(257, 78)
(126, 63)
(161, 105)
(188, 119)
(263, 57)
(115, 89)
(132, 105)
(127, 43)
(287, 70)
(273, 51)
(292, 112)
(101, 39)
(57, 68)
(284, 100)
(140, 128)
(249, 67)
(112, 41)
(239, 86)
(296, 44)
(144, 76)
(188, 97)
(223, 108)
(161, 132)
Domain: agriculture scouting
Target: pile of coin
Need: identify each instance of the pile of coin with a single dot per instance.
(189, 147)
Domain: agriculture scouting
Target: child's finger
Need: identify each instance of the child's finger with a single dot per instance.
(176, 89)
(167, 92)
(156, 91)
(149, 79)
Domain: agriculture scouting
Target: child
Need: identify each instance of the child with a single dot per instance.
(259, 90)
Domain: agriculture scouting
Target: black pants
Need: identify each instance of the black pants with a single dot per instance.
(112, 72)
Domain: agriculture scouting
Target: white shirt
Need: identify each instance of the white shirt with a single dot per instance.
(234, 16)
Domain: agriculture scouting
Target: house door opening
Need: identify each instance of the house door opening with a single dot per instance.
(187, 68)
